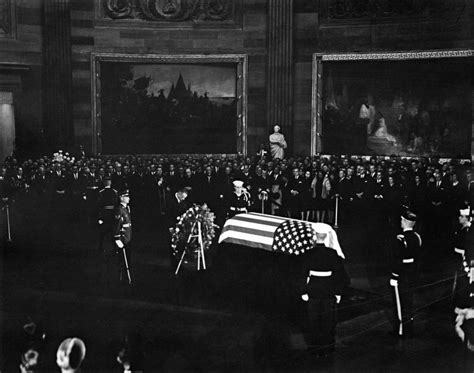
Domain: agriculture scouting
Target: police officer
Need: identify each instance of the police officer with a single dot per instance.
(404, 274)
(122, 234)
(325, 282)
(107, 202)
(239, 200)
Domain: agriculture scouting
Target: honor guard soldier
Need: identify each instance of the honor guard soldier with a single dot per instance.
(122, 234)
(107, 201)
(325, 282)
(239, 200)
(461, 240)
(462, 246)
(464, 310)
(464, 284)
(404, 274)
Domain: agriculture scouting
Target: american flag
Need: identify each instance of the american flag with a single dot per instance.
(269, 232)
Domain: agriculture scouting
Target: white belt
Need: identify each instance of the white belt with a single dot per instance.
(126, 225)
(459, 251)
(409, 260)
(320, 273)
(238, 209)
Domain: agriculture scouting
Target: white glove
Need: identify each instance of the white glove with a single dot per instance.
(338, 299)
(305, 297)
(85, 198)
(393, 282)
(119, 244)
(101, 222)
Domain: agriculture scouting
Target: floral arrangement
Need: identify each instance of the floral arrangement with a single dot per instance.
(61, 157)
(184, 228)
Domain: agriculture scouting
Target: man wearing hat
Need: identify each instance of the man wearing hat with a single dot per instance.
(123, 234)
(404, 274)
(107, 201)
(464, 276)
(325, 280)
(239, 200)
(462, 234)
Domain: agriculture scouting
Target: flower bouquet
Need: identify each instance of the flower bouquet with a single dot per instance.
(193, 235)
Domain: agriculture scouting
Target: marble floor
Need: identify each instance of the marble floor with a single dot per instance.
(238, 315)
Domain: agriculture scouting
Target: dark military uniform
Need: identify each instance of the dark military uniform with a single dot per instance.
(123, 233)
(237, 204)
(107, 201)
(404, 278)
(462, 240)
(464, 290)
(325, 277)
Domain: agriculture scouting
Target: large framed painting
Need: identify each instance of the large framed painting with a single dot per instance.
(414, 104)
(169, 104)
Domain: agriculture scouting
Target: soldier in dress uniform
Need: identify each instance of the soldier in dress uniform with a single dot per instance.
(122, 234)
(404, 274)
(107, 202)
(325, 282)
(462, 235)
(464, 309)
(239, 200)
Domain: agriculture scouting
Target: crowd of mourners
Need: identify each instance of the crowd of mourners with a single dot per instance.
(339, 190)
(309, 188)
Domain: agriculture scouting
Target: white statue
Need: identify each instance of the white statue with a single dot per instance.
(277, 143)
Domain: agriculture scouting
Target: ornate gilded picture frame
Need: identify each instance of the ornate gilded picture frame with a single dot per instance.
(169, 104)
(414, 104)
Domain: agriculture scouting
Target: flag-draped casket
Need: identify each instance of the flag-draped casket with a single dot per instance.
(277, 234)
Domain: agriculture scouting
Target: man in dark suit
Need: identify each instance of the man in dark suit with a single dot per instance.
(437, 211)
(295, 188)
(177, 205)
(207, 188)
(325, 280)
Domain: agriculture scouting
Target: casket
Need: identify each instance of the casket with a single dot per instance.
(277, 234)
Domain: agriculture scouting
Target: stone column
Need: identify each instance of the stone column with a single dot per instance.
(57, 76)
(280, 67)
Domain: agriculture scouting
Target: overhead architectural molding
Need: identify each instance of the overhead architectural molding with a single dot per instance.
(333, 12)
(383, 56)
(169, 13)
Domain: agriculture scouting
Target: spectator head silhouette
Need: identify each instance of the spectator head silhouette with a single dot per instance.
(70, 354)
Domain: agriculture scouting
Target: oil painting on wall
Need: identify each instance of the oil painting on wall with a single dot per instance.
(168, 108)
(410, 107)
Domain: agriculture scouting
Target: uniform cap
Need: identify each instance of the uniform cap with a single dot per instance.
(238, 183)
(124, 193)
(408, 215)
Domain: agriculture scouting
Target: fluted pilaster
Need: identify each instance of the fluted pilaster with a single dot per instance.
(57, 77)
(280, 66)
